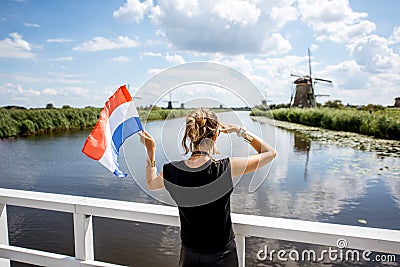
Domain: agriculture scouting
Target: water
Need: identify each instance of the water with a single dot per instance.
(308, 181)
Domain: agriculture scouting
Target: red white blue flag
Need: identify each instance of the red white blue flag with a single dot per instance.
(118, 120)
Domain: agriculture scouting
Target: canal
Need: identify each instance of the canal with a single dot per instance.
(308, 181)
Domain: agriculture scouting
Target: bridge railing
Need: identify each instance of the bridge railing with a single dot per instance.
(84, 208)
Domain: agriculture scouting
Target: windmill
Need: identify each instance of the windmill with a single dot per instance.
(265, 101)
(170, 102)
(305, 88)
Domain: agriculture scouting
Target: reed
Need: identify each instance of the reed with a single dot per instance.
(14, 122)
(22, 122)
(381, 124)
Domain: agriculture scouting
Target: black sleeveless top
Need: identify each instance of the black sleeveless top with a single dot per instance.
(203, 198)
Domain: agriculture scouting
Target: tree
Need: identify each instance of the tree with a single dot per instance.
(372, 107)
(49, 106)
(334, 104)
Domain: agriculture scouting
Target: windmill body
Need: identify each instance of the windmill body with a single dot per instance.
(305, 96)
(304, 93)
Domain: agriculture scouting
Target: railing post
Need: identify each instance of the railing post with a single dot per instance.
(83, 233)
(3, 232)
(241, 248)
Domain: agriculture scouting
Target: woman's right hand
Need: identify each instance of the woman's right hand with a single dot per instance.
(147, 140)
(229, 128)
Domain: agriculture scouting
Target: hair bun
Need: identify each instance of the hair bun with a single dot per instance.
(201, 121)
(201, 124)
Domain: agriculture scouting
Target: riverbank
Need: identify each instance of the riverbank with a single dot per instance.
(383, 147)
(380, 124)
(24, 122)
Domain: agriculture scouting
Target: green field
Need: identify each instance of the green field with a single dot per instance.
(21, 122)
(381, 124)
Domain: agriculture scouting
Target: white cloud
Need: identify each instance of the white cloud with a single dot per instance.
(17, 94)
(150, 54)
(175, 59)
(11, 90)
(346, 75)
(61, 59)
(226, 26)
(283, 12)
(276, 45)
(238, 62)
(15, 47)
(154, 71)
(237, 12)
(67, 91)
(31, 25)
(57, 78)
(101, 43)
(383, 88)
(31, 79)
(364, 81)
(75, 91)
(122, 59)
(59, 40)
(334, 20)
(395, 37)
(49, 91)
(134, 10)
(374, 54)
(313, 47)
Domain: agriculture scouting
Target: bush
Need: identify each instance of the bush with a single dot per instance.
(294, 115)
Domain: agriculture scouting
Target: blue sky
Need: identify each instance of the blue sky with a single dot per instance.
(78, 52)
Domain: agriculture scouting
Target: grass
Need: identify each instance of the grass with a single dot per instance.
(381, 124)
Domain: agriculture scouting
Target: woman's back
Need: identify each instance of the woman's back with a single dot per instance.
(203, 198)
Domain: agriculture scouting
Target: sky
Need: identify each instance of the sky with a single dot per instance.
(78, 53)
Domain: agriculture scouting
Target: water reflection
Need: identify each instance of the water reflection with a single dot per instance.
(301, 143)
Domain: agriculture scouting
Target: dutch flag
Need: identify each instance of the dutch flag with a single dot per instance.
(118, 120)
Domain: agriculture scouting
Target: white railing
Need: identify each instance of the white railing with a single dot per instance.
(84, 208)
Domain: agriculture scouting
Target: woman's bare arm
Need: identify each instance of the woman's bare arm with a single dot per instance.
(153, 181)
(243, 165)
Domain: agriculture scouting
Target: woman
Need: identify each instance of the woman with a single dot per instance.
(201, 187)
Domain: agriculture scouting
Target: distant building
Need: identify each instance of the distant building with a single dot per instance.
(397, 102)
(264, 102)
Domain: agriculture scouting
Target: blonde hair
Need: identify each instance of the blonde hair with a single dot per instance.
(201, 126)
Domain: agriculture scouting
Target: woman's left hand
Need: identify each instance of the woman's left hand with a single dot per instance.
(229, 128)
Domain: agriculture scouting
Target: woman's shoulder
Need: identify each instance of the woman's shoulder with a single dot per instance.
(213, 163)
(173, 164)
(221, 164)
